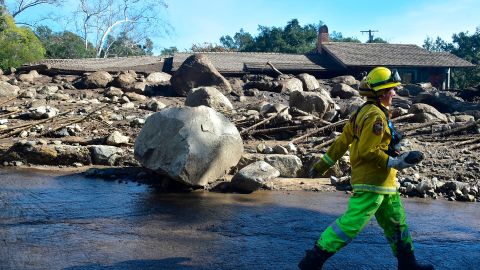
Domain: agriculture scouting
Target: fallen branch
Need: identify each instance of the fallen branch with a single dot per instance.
(455, 130)
(325, 143)
(8, 100)
(74, 121)
(416, 127)
(280, 129)
(296, 140)
(403, 117)
(473, 147)
(17, 129)
(10, 113)
(474, 140)
(263, 122)
(304, 113)
(274, 68)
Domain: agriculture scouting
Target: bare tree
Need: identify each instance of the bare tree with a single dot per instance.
(19, 6)
(99, 19)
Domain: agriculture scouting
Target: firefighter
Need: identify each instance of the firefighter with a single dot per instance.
(375, 159)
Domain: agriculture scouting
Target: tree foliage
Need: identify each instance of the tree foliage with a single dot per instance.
(18, 45)
(104, 21)
(123, 45)
(465, 46)
(293, 38)
(63, 44)
(169, 51)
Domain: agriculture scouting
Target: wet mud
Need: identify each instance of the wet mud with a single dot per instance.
(52, 220)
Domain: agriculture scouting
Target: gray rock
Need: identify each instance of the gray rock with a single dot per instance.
(288, 165)
(47, 90)
(311, 102)
(98, 79)
(113, 92)
(135, 97)
(158, 77)
(42, 112)
(117, 138)
(290, 84)
(155, 105)
(193, 145)
(196, 71)
(124, 80)
(425, 113)
(254, 176)
(309, 82)
(346, 79)
(343, 91)
(105, 154)
(8, 90)
(210, 97)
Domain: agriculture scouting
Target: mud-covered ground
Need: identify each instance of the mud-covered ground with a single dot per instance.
(446, 158)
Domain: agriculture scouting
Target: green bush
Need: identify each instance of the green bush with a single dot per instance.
(18, 45)
(63, 44)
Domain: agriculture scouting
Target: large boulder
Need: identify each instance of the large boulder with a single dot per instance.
(309, 82)
(343, 91)
(158, 77)
(210, 97)
(290, 84)
(425, 113)
(287, 165)
(311, 102)
(197, 70)
(445, 102)
(346, 79)
(98, 79)
(8, 90)
(193, 145)
(254, 176)
(125, 79)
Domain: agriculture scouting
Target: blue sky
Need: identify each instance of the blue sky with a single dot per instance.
(404, 21)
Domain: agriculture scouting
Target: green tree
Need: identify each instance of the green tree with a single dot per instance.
(465, 46)
(338, 37)
(18, 45)
(63, 44)
(169, 51)
(293, 38)
(123, 45)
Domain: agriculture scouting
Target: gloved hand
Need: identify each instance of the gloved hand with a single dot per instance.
(405, 160)
(318, 169)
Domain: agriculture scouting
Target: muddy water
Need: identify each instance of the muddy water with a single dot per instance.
(52, 221)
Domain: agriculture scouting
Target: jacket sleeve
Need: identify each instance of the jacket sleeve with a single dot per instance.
(336, 150)
(370, 146)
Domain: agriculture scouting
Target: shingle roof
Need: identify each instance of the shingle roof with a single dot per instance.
(384, 54)
(138, 63)
(241, 62)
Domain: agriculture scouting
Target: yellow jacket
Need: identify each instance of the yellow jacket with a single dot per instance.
(368, 136)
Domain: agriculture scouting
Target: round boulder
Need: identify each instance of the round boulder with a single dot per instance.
(210, 97)
(192, 145)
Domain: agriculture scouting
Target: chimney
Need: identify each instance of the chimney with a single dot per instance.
(322, 37)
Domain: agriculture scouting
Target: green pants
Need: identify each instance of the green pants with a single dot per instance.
(388, 211)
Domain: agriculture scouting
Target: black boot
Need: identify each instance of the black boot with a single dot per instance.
(407, 261)
(314, 259)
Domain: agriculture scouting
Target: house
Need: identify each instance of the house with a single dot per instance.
(330, 59)
(414, 63)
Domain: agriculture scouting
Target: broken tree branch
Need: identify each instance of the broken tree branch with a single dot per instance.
(274, 68)
(73, 121)
(416, 127)
(17, 129)
(263, 122)
(304, 113)
(455, 130)
(8, 100)
(474, 140)
(403, 117)
(325, 143)
(280, 129)
(334, 125)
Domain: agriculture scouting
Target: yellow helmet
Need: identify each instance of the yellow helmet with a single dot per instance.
(382, 78)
